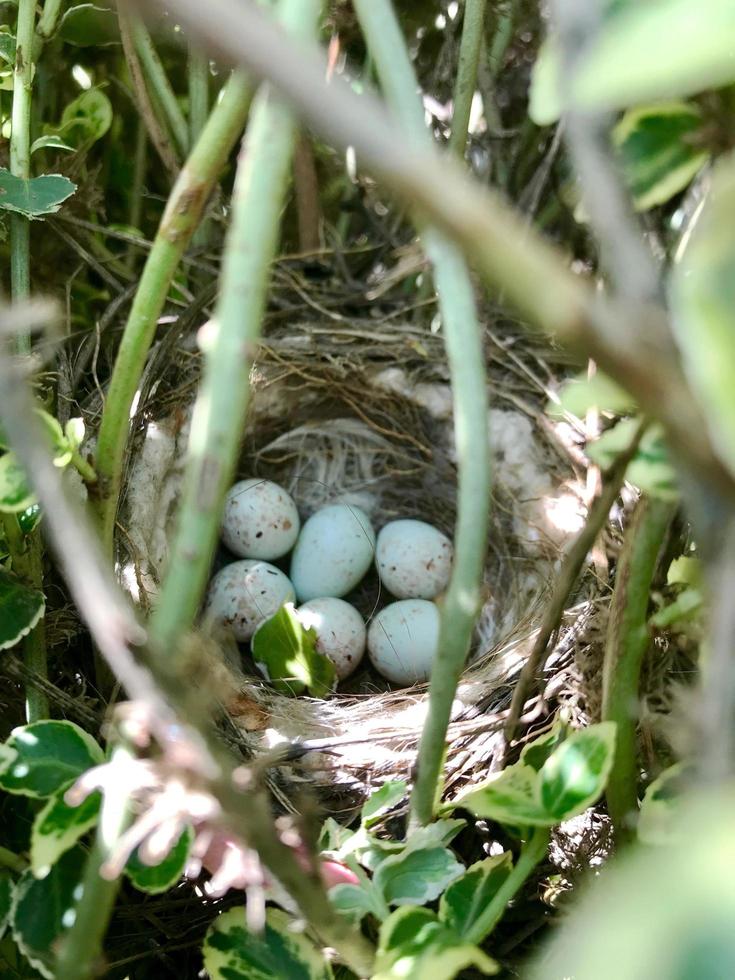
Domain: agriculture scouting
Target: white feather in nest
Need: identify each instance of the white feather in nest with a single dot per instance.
(345, 460)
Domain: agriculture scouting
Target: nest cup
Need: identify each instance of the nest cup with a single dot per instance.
(362, 415)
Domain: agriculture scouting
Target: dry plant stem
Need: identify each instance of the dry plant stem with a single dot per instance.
(171, 704)
(532, 852)
(81, 952)
(624, 339)
(567, 578)
(158, 137)
(159, 85)
(462, 337)
(219, 413)
(28, 556)
(627, 641)
(178, 224)
(466, 83)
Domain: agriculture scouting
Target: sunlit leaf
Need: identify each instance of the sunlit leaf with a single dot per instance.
(15, 492)
(650, 470)
(287, 654)
(382, 800)
(659, 817)
(50, 142)
(579, 394)
(574, 775)
(464, 901)
(510, 798)
(416, 877)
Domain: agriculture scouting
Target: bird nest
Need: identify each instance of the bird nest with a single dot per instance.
(361, 413)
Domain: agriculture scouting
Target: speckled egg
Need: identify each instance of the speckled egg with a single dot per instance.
(414, 559)
(403, 640)
(339, 629)
(246, 593)
(260, 520)
(334, 551)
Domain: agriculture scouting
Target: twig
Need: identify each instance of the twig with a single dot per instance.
(624, 251)
(158, 137)
(178, 224)
(567, 578)
(463, 340)
(625, 340)
(160, 85)
(466, 83)
(628, 639)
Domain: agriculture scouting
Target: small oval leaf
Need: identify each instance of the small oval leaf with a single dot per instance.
(50, 755)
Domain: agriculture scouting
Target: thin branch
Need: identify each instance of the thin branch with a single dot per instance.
(625, 339)
(567, 579)
(158, 137)
(159, 84)
(466, 83)
(624, 252)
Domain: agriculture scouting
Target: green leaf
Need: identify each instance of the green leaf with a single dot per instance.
(382, 801)
(51, 141)
(6, 899)
(703, 309)
(416, 877)
(661, 148)
(57, 827)
(160, 877)
(535, 753)
(509, 797)
(650, 469)
(15, 494)
(685, 570)
(659, 817)
(50, 755)
(465, 899)
(372, 850)
(88, 24)
(333, 835)
(415, 945)
(86, 119)
(287, 654)
(232, 952)
(29, 518)
(34, 197)
(7, 46)
(656, 912)
(580, 393)
(354, 902)
(20, 609)
(684, 608)
(660, 50)
(574, 776)
(44, 909)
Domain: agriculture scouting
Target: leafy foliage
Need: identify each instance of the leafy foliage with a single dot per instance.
(35, 197)
(286, 651)
(45, 757)
(20, 609)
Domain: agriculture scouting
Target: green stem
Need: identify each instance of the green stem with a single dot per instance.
(463, 340)
(198, 71)
(464, 89)
(9, 859)
(178, 224)
(140, 159)
(627, 641)
(81, 951)
(533, 851)
(219, 414)
(160, 85)
(81, 465)
(49, 19)
(28, 561)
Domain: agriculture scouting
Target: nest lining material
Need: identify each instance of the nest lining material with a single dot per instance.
(334, 418)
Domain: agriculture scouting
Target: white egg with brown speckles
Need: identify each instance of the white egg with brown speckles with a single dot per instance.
(334, 551)
(244, 594)
(403, 640)
(414, 559)
(260, 520)
(340, 631)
